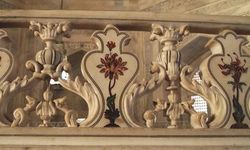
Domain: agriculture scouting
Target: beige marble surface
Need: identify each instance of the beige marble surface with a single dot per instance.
(123, 138)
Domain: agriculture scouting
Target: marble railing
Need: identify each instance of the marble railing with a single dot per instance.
(122, 138)
(107, 80)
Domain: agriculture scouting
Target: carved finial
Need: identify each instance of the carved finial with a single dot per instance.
(49, 61)
(49, 31)
(168, 34)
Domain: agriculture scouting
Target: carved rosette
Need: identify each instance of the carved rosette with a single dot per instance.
(110, 70)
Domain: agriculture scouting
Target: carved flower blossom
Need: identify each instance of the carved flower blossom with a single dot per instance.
(110, 45)
(112, 66)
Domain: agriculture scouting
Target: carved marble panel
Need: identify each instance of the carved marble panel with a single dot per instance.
(110, 70)
(228, 66)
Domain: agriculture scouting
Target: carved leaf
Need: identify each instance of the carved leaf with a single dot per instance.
(136, 90)
(215, 99)
(88, 94)
(6, 88)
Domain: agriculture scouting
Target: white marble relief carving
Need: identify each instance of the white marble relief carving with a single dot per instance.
(228, 66)
(110, 70)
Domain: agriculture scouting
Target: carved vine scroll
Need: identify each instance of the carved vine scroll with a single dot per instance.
(86, 91)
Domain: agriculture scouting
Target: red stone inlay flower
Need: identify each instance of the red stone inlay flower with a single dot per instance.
(110, 45)
(112, 66)
(234, 67)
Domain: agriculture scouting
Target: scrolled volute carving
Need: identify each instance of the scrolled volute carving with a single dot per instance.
(210, 93)
(6, 89)
(86, 91)
(150, 115)
(21, 115)
(70, 115)
(138, 89)
(36, 68)
(197, 119)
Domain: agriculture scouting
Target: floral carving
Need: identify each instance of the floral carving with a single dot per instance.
(112, 66)
(46, 109)
(235, 68)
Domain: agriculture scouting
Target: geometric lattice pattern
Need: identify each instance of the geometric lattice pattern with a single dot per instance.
(200, 105)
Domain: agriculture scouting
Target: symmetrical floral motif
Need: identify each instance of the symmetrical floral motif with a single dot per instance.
(235, 68)
(112, 66)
